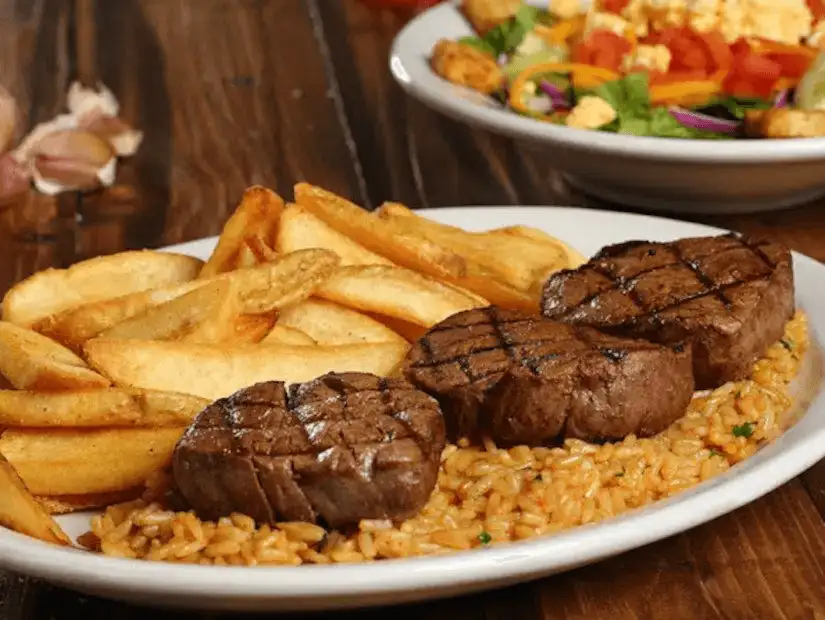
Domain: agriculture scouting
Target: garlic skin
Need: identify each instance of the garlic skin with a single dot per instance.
(82, 101)
(25, 150)
(76, 151)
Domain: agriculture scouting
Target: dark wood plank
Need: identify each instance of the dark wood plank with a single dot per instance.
(763, 561)
(34, 67)
(228, 93)
(408, 152)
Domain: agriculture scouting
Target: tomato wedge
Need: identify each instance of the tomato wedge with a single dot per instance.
(602, 48)
(751, 74)
(615, 6)
(703, 55)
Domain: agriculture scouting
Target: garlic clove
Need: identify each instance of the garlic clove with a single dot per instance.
(82, 101)
(118, 133)
(54, 176)
(68, 160)
(25, 150)
(74, 144)
(9, 117)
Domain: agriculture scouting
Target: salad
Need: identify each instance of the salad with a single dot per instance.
(618, 68)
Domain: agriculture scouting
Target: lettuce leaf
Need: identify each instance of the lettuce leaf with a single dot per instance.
(630, 97)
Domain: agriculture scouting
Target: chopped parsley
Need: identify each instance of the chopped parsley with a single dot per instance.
(743, 430)
(716, 453)
(787, 343)
(619, 474)
(484, 538)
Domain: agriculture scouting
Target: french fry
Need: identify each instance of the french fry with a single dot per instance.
(183, 315)
(261, 249)
(55, 290)
(67, 504)
(281, 334)
(212, 371)
(410, 331)
(246, 258)
(387, 238)
(395, 292)
(300, 229)
(522, 262)
(80, 462)
(252, 328)
(262, 289)
(258, 213)
(574, 257)
(21, 512)
(329, 323)
(106, 407)
(32, 361)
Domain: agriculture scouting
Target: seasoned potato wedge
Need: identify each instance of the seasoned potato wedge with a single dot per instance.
(67, 504)
(520, 261)
(21, 512)
(31, 361)
(329, 323)
(257, 214)
(200, 311)
(106, 277)
(212, 371)
(261, 289)
(387, 238)
(79, 462)
(251, 328)
(281, 334)
(105, 407)
(301, 229)
(395, 292)
(410, 331)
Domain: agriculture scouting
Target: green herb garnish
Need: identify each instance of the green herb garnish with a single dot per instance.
(743, 430)
(479, 44)
(484, 538)
(788, 344)
(619, 474)
(716, 453)
(505, 38)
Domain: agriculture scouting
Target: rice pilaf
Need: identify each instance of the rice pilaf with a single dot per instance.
(487, 495)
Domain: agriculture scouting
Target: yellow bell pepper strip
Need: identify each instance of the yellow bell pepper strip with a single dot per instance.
(682, 93)
(581, 74)
(562, 32)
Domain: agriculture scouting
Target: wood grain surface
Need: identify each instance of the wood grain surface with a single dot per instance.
(235, 92)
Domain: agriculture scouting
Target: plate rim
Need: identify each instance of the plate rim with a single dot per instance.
(402, 59)
(317, 586)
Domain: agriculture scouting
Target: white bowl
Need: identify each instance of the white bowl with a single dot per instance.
(663, 174)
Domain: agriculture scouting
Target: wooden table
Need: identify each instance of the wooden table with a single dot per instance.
(236, 92)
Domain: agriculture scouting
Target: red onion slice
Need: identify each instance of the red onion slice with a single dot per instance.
(703, 122)
(556, 94)
(782, 98)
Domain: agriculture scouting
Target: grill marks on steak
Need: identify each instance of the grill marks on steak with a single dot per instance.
(338, 449)
(530, 380)
(728, 296)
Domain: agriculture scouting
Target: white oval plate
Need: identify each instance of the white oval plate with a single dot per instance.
(661, 174)
(398, 581)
